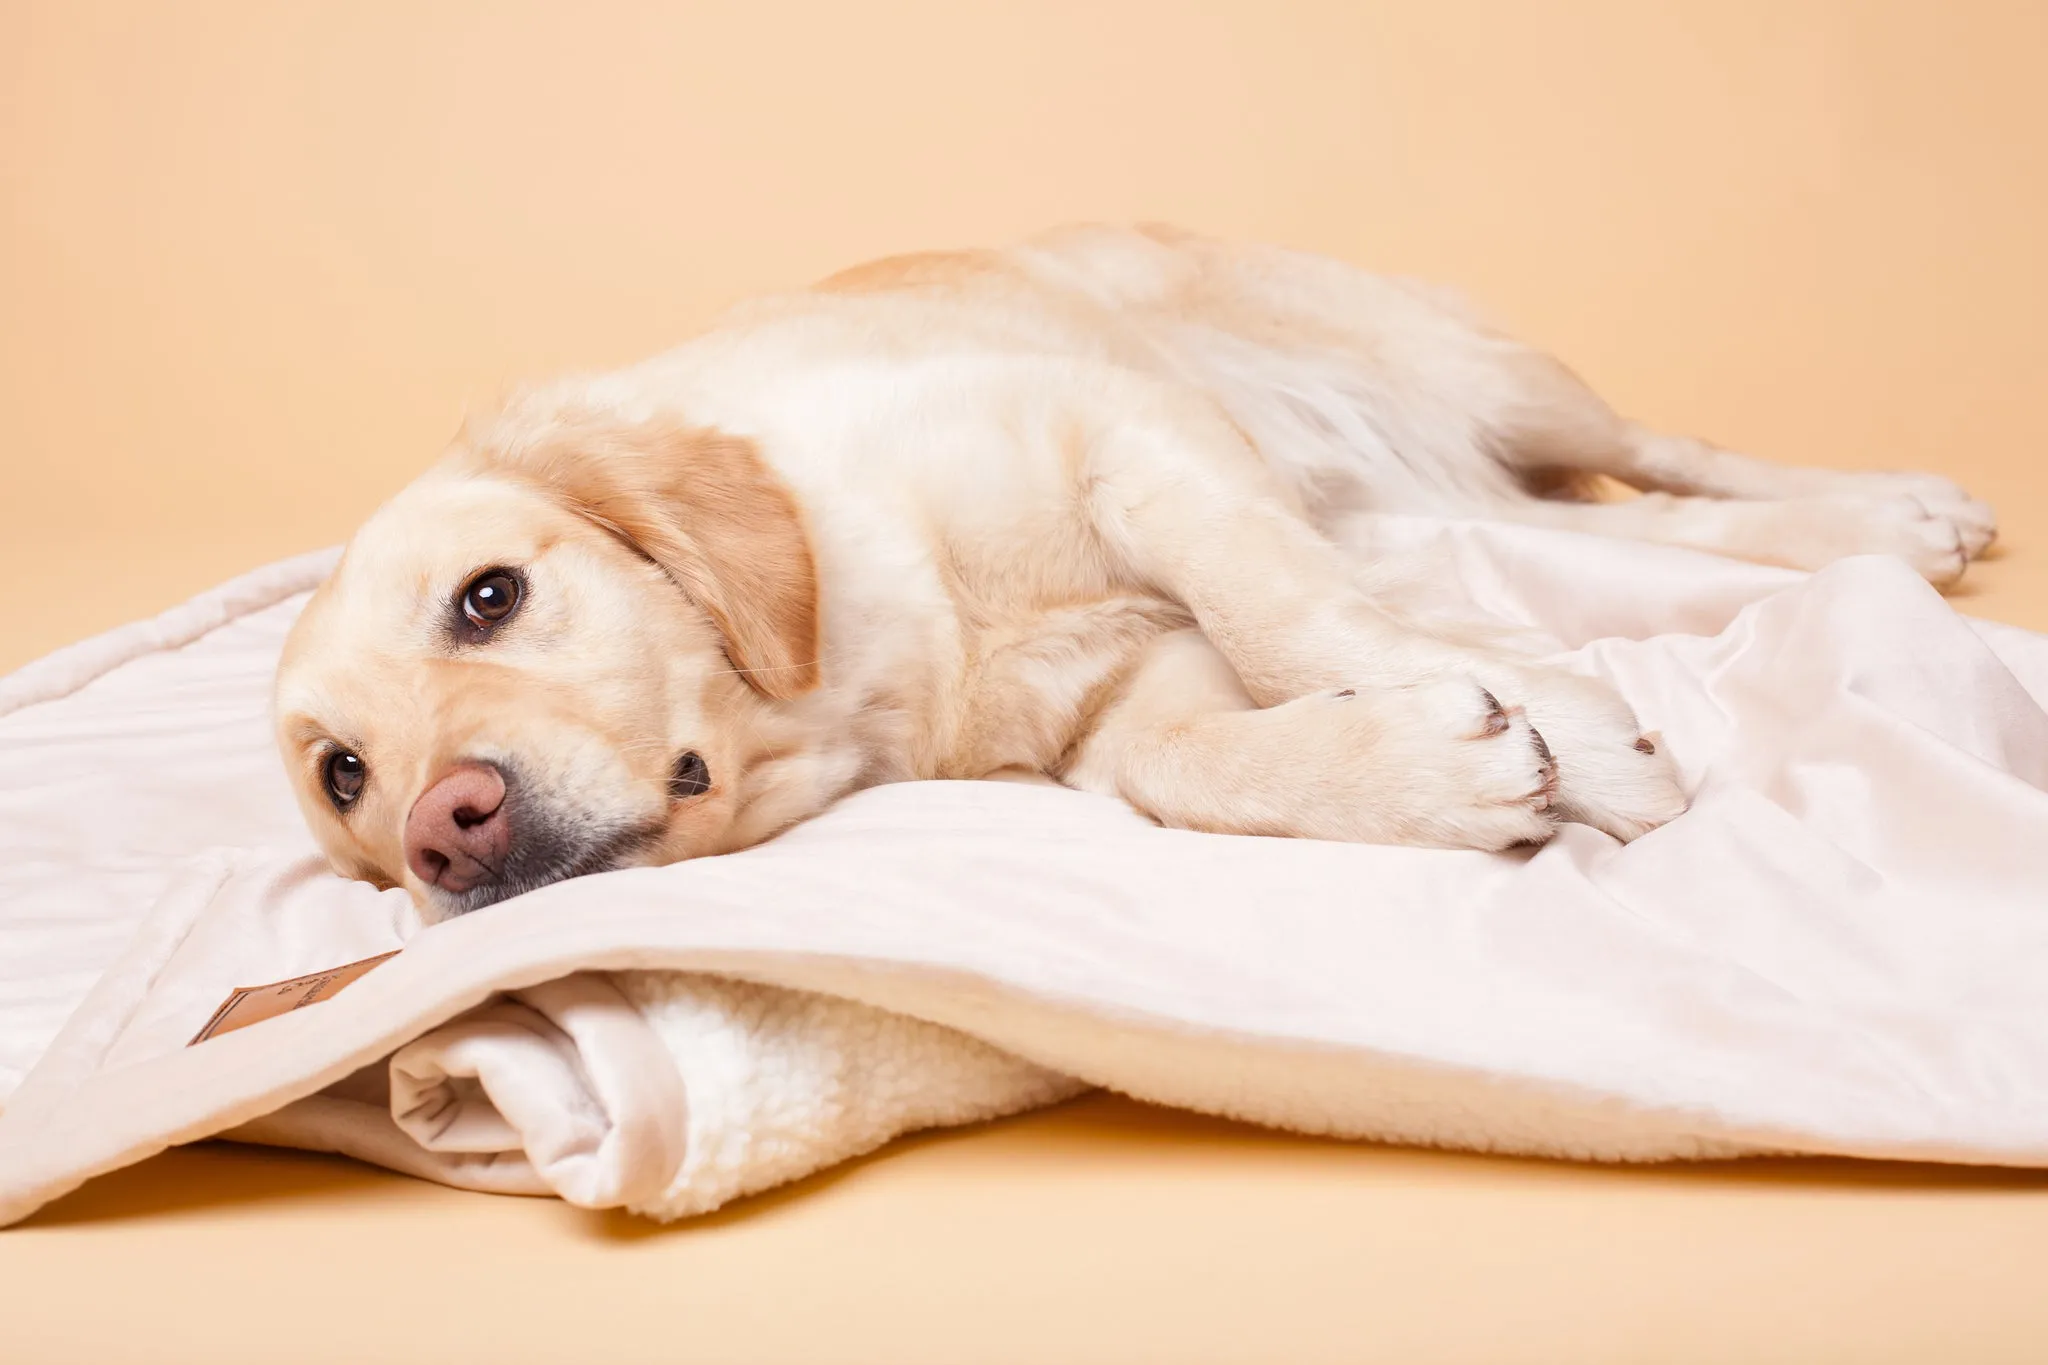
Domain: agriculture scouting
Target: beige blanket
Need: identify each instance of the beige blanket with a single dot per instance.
(1842, 948)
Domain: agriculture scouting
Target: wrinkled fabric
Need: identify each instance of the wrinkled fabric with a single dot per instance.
(1840, 948)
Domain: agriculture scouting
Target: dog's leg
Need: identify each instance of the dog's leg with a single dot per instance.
(1798, 533)
(1184, 743)
(1702, 497)
(1188, 509)
(1660, 462)
(1185, 507)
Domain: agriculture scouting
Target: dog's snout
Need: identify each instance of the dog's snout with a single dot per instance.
(458, 832)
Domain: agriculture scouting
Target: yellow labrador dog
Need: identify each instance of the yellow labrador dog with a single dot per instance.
(1098, 506)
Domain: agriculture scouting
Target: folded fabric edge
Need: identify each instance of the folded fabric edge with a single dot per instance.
(367, 1132)
(66, 670)
(1314, 1089)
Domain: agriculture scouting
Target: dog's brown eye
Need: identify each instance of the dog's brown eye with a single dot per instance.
(491, 598)
(344, 774)
(692, 777)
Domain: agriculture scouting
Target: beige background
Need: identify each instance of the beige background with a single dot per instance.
(256, 258)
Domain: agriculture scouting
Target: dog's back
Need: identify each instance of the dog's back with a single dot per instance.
(1363, 392)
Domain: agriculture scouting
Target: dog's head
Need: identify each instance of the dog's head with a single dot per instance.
(548, 657)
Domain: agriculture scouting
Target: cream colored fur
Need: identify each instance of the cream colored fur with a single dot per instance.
(1098, 506)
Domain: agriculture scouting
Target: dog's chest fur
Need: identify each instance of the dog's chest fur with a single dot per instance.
(1029, 687)
(991, 681)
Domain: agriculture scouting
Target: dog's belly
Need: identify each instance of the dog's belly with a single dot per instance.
(1348, 433)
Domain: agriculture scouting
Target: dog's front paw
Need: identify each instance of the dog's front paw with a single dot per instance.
(1610, 775)
(1442, 763)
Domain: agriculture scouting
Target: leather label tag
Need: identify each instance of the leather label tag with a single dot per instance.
(248, 1005)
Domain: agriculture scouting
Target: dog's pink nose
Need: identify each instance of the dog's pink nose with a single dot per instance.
(458, 832)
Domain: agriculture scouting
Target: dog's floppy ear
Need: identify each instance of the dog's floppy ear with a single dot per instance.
(701, 504)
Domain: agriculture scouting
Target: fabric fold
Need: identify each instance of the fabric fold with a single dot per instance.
(566, 1074)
